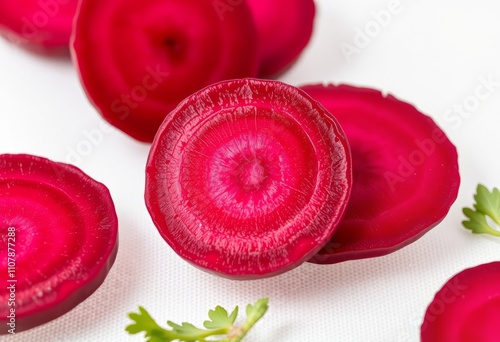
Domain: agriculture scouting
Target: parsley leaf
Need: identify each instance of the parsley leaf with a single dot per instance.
(487, 205)
(256, 311)
(187, 331)
(220, 318)
(220, 326)
(144, 322)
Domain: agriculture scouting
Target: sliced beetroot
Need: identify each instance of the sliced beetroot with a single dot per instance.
(45, 23)
(248, 178)
(405, 173)
(58, 235)
(138, 59)
(285, 28)
(466, 308)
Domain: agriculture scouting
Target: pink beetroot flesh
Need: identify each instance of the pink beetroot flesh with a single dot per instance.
(45, 23)
(285, 28)
(405, 173)
(65, 238)
(248, 178)
(138, 59)
(466, 308)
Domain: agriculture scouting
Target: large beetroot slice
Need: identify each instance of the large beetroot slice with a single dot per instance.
(45, 23)
(405, 172)
(138, 59)
(248, 178)
(466, 308)
(285, 28)
(58, 239)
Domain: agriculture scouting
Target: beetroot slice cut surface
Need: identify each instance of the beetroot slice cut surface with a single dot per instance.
(40, 23)
(62, 228)
(466, 308)
(285, 28)
(405, 172)
(138, 59)
(248, 178)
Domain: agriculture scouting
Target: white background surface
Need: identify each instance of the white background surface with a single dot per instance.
(432, 54)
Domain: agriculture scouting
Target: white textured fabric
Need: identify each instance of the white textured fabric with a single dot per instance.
(432, 54)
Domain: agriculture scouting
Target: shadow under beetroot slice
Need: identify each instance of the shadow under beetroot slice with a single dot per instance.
(138, 59)
(248, 178)
(285, 28)
(405, 173)
(58, 235)
(38, 23)
(466, 308)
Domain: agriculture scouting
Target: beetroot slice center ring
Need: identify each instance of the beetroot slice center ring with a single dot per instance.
(138, 59)
(405, 173)
(248, 178)
(62, 230)
(466, 308)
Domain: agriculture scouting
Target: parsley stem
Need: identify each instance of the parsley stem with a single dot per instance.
(254, 313)
(220, 325)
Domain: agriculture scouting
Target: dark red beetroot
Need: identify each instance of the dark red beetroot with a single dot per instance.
(45, 23)
(138, 59)
(248, 178)
(467, 308)
(405, 173)
(58, 239)
(285, 28)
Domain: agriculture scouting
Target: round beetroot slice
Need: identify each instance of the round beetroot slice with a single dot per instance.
(466, 308)
(138, 59)
(62, 228)
(405, 173)
(285, 28)
(248, 178)
(44, 23)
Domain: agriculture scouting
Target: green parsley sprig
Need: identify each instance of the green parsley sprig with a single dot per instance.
(220, 327)
(487, 205)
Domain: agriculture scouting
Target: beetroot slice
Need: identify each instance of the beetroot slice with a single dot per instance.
(405, 173)
(138, 59)
(285, 28)
(466, 308)
(248, 178)
(65, 239)
(45, 23)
